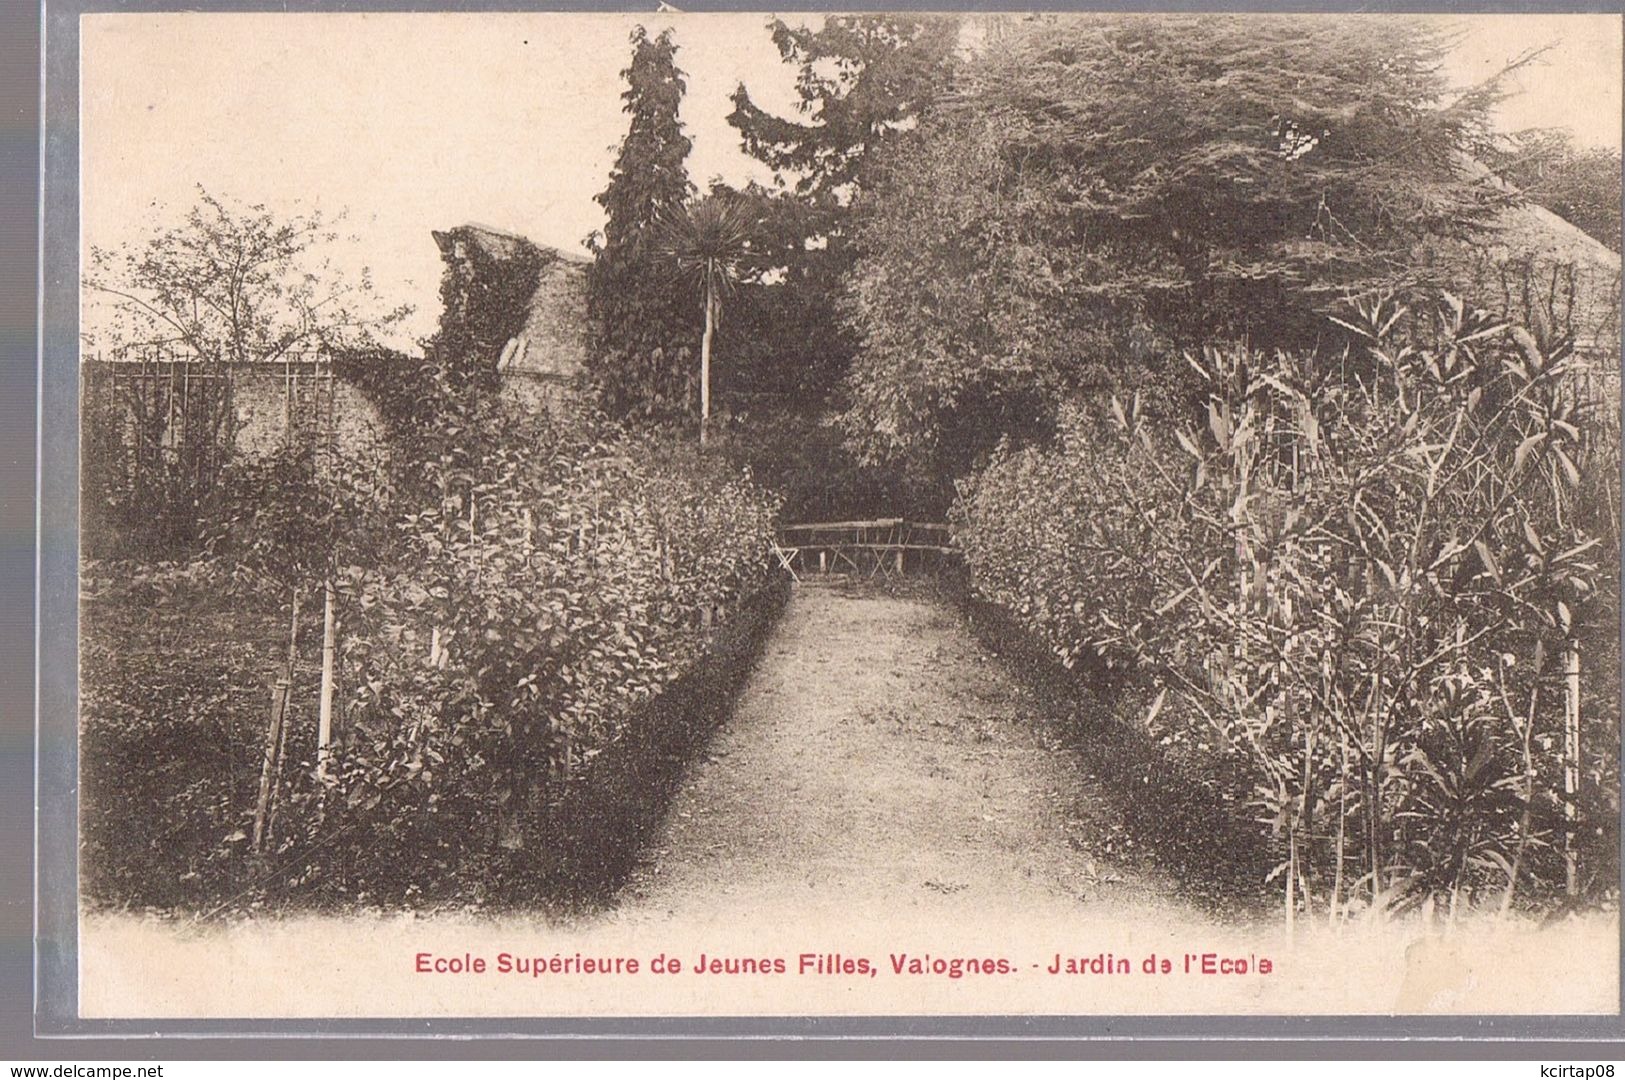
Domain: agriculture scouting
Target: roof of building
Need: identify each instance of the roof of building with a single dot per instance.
(1528, 262)
(504, 245)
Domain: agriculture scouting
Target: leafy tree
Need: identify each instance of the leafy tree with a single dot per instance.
(861, 81)
(225, 284)
(707, 244)
(1102, 192)
(632, 306)
(960, 312)
(231, 283)
(1235, 163)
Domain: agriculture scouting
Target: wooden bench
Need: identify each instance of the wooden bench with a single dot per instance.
(867, 547)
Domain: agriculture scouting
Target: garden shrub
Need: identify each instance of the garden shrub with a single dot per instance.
(568, 579)
(1360, 581)
(511, 592)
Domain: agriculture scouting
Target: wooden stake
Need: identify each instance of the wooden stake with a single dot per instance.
(324, 723)
(273, 740)
(1571, 764)
(276, 767)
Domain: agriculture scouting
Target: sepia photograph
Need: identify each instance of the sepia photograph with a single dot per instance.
(660, 514)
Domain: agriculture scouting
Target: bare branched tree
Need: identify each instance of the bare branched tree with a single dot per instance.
(232, 284)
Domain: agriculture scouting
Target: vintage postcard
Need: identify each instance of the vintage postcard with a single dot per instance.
(894, 514)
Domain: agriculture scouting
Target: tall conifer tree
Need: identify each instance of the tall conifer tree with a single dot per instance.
(637, 322)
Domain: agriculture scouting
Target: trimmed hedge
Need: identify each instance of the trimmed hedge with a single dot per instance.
(1179, 811)
(513, 600)
(603, 818)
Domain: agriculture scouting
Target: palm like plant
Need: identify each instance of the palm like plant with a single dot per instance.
(707, 243)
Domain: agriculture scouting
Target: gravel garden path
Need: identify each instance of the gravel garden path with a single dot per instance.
(880, 763)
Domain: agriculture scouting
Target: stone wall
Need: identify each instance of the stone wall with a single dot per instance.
(496, 284)
(267, 407)
(304, 403)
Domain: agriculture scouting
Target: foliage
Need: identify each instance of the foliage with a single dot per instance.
(555, 586)
(293, 519)
(805, 461)
(861, 81)
(1100, 189)
(637, 318)
(400, 386)
(510, 594)
(1210, 153)
(150, 453)
(964, 324)
(1358, 580)
(649, 178)
(172, 713)
(231, 283)
(784, 335)
(225, 285)
(1580, 184)
(707, 246)
(485, 299)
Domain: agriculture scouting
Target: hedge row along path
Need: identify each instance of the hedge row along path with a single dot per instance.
(880, 763)
(884, 788)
